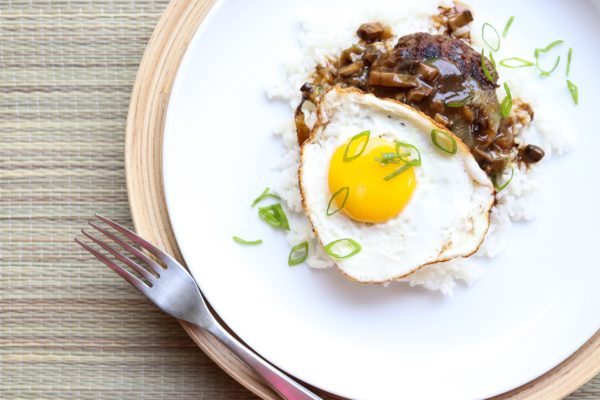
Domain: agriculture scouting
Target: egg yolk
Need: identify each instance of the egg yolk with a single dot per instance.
(370, 198)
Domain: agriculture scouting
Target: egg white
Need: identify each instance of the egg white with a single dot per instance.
(447, 216)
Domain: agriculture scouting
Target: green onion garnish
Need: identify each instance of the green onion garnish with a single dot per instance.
(538, 52)
(263, 196)
(549, 47)
(345, 191)
(415, 161)
(247, 242)
(444, 141)
(495, 32)
(397, 172)
(507, 26)
(349, 246)
(487, 73)
(298, 254)
(506, 103)
(274, 216)
(363, 135)
(409, 147)
(547, 73)
(574, 91)
(457, 102)
(500, 188)
(391, 158)
(516, 62)
(569, 58)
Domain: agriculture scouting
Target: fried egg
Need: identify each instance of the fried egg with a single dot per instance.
(387, 190)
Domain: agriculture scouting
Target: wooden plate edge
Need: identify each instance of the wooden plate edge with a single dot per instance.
(143, 158)
(143, 166)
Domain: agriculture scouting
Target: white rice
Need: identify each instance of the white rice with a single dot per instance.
(321, 38)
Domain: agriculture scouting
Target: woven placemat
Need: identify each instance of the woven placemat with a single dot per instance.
(70, 328)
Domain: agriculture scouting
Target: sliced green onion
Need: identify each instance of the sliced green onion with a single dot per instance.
(274, 216)
(495, 32)
(456, 104)
(506, 103)
(545, 50)
(265, 194)
(547, 73)
(391, 158)
(407, 146)
(349, 246)
(574, 91)
(507, 26)
(247, 242)
(345, 191)
(507, 89)
(363, 135)
(516, 62)
(444, 141)
(500, 188)
(569, 58)
(487, 73)
(461, 102)
(408, 163)
(298, 254)
(549, 47)
(397, 172)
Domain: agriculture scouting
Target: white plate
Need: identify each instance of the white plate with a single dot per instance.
(535, 305)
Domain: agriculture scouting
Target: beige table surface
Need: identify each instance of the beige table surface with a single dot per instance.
(69, 328)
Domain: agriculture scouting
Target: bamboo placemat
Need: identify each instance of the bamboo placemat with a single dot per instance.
(69, 328)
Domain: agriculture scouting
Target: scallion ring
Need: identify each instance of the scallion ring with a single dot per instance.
(409, 147)
(265, 194)
(506, 103)
(574, 90)
(391, 158)
(458, 101)
(569, 58)
(397, 172)
(545, 50)
(365, 137)
(444, 141)
(516, 62)
(549, 72)
(549, 47)
(456, 104)
(486, 71)
(351, 247)
(298, 254)
(274, 216)
(345, 192)
(247, 242)
(507, 26)
(500, 188)
(495, 33)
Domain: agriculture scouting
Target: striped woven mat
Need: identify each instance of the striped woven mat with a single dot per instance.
(69, 328)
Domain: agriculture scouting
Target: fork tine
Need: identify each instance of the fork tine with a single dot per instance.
(139, 269)
(155, 266)
(134, 281)
(158, 253)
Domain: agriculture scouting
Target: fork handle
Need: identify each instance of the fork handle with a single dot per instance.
(286, 387)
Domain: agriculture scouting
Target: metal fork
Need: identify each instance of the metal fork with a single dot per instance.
(172, 289)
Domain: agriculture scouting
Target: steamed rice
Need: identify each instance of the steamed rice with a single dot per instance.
(322, 38)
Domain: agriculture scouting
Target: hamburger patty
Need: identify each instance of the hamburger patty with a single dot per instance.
(421, 47)
(440, 75)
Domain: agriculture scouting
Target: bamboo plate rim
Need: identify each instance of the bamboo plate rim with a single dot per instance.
(143, 168)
